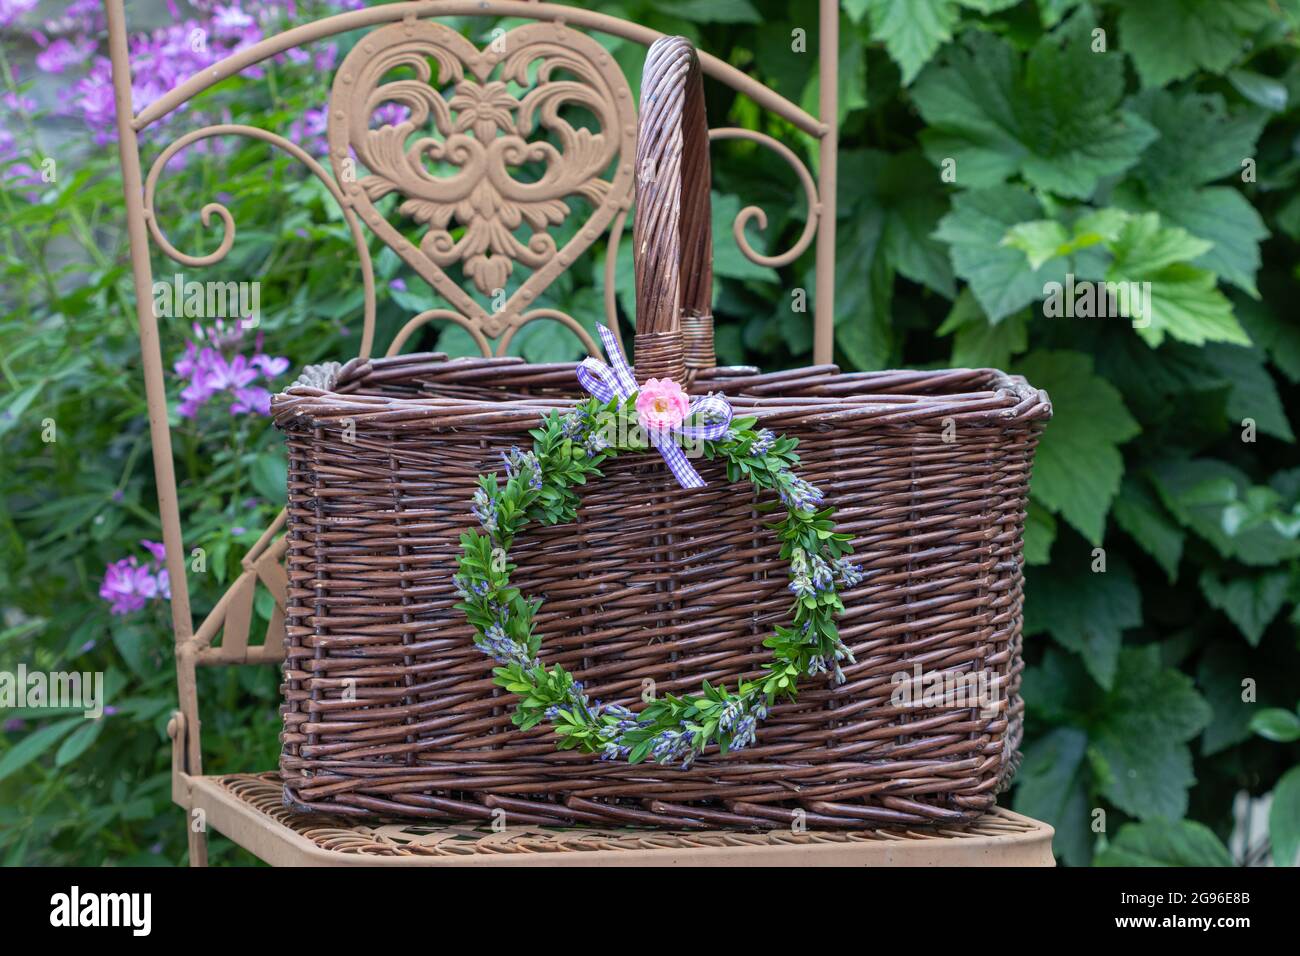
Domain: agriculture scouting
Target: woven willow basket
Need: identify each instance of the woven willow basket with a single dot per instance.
(389, 707)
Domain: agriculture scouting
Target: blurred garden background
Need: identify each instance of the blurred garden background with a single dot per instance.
(988, 148)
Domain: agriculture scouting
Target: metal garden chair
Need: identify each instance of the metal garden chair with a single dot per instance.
(248, 807)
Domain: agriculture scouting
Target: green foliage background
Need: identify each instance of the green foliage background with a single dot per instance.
(988, 147)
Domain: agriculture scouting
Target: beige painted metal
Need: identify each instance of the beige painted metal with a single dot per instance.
(481, 198)
(249, 809)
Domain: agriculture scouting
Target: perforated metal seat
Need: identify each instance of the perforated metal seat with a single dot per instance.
(249, 809)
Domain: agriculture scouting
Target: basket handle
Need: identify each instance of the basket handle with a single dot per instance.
(672, 233)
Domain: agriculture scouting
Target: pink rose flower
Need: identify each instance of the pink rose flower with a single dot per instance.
(661, 403)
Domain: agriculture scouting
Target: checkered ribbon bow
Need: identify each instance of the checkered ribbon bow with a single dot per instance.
(712, 413)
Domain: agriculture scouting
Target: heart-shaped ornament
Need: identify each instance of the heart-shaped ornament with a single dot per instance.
(451, 159)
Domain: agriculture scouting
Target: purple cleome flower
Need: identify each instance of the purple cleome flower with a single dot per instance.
(213, 366)
(11, 10)
(129, 585)
(62, 53)
(166, 57)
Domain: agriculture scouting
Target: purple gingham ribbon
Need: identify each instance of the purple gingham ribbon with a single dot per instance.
(712, 411)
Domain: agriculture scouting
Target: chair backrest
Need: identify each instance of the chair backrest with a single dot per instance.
(446, 144)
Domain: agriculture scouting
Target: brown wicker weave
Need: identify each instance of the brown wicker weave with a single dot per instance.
(389, 707)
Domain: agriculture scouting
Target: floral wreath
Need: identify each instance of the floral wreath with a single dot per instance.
(540, 485)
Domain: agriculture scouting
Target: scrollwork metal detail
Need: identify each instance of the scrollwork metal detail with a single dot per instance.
(755, 214)
(228, 221)
(474, 138)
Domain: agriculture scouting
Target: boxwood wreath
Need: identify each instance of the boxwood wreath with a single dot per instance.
(541, 485)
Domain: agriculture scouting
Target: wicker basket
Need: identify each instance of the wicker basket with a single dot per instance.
(389, 707)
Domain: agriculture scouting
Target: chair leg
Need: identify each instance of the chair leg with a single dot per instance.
(198, 844)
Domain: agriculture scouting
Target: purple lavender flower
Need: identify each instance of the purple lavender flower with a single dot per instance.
(798, 494)
(823, 579)
(761, 445)
(523, 464)
(14, 725)
(848, 573)
(484, 510)
(502, 648)
(669, 745)
(614, 751)
(745, 733)
(730, 713)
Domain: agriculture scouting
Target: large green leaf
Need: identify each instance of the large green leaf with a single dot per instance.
(1052, 786)
(270, 474)
(1284, 819)
(1139, 741)
(728, 259)
(1040, 533)
(910, 207)
(1278, 337)
(998, 116)
(1277, 724)
(1219, 675)
(1086, 611)
(864, 286)
(35, 744)
(1171, 39)
(1202, 493)
(999, 275)
(1165, 843)
(1250, 601)
(1185, 301)
(912, 30)
(710, 11)
(1078, 466)
(1138, 511)
(1252, 394)
(1224, 217)
(1200, 141)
